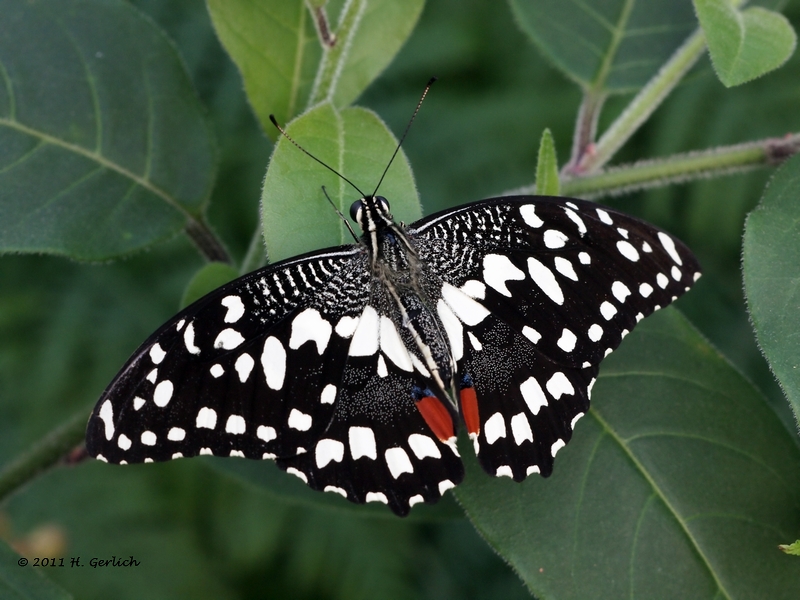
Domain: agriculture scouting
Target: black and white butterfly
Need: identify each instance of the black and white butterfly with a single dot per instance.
(354, 367)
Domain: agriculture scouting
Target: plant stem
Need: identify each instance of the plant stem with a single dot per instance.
(680, 168)
(585, 129)
(330, 67)
(207, 242)
(643, 105)
(43, 454)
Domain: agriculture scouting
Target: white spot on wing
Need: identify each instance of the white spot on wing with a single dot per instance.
(206, 418)
(376, 497)
(273, 362)
(228, 339)
(335, 490)
(604, 216)
(445, 485)
(573, 216)
(422, 446)
(532, 469)
(346, 326)
(392, 346)
(474, 341)
(595, 332)
(328, 450)
(299, 474)
(531, 334)
(299, 420)
(188, 339)
(152, 376)
(557, 445)
(463, 306)
(382, 370)
(124, 442)
(645, 290)
(504, 471)
(365, 337)
(149, 438)
(584, 258)
(528, 212)
(564, 267)
(157, 354)
(676, 273)
(607, 310)
(235, 308)
(453, 329)
(554, 239)
(362, 443)
(216, 371)
(497, 270)
(138, 403)
(494, 428)
(415, 499)
(176, 434)
(567, 340)
(521, 428)
(533, 394)
(244, 365)
(620, 291)
(669, 246)
(398, 462)
(328, 394)
(662, 280)
(474, 289)
(627, 250)
(559, 385)
(235, 425)
(309, 325)
(544, 278)
(575, 420)
(163, 393)
(266, 433)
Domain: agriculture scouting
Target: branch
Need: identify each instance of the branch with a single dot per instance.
(54, 447)
(207, 242)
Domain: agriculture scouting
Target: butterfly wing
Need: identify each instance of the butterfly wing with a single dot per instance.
(534, 292)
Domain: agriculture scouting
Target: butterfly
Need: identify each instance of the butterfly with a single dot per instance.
(354, 367)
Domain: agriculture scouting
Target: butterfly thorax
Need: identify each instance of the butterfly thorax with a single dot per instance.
(397, 270)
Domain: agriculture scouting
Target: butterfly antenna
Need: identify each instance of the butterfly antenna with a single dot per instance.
(341, 216)
(331, 169)
(405, 133)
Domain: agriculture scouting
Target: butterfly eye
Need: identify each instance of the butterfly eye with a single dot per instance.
(383, 203)
(355, 211)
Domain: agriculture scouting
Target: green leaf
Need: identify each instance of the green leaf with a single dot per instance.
(276, 48)
(744, 44)
(24, 582)
(547, 182)
(104, 148)
(771, 267)
(792, 549)
(295, 215)
(378, 30)
(612, 46)
(679, 483)
(210, 276)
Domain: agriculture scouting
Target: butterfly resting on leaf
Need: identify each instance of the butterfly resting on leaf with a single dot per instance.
(353, 368)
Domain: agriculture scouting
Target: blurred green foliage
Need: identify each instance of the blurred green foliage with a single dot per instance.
(65, 327)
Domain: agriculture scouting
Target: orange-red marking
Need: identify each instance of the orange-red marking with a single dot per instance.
(437, 417)
(469, 409)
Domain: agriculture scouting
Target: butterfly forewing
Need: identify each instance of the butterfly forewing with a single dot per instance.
(353, 374)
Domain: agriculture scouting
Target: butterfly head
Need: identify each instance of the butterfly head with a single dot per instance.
(371, 213)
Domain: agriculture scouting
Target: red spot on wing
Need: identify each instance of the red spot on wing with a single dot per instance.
(469, 410)
(437, 417)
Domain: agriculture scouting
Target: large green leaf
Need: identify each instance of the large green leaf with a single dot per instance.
(104, 148)
(679, 483)
(611, 46)
(276, 48)
(744, 44)
(354, 141)
(379, 30)
(18, 582)
(771, 265)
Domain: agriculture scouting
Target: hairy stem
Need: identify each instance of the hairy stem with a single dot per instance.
(207, 242)
(44, 454)
(681, 168)
(643, 105)
(585, 130)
